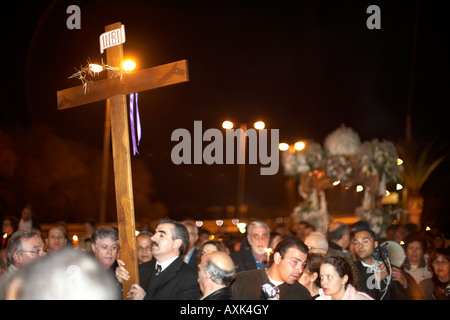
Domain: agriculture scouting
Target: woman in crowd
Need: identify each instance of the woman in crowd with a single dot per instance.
(339, 280)
(416, 261)
(438, 286)
(209, 246)
(310, 278)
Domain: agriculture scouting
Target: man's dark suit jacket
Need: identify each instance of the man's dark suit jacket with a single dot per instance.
(221, 294)
(193, 260)
(177, 282)
(243, 259)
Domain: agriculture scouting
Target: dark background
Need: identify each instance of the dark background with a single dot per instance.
(303, 67)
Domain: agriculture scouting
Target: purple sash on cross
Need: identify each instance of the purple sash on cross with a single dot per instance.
(138, 122)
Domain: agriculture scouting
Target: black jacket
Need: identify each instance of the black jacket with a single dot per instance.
(177, 282)
(193, 260)
(394, 291)
(243, 259)
(221, 294)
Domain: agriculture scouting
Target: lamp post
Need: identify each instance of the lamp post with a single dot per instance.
(291, 183)
(240, 201)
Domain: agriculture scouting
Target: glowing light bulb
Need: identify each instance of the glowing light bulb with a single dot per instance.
(283, 146)
(129, 65)
(227, 125)
(96, 68)
(259, 125)
(300, 145)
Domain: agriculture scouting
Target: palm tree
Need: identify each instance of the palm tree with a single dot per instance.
(418, 164)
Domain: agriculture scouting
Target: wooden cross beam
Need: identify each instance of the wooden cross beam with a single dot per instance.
(115, 90)
(147, 79)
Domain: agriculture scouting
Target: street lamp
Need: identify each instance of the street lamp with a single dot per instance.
(298, 146)
(227, 125)
(259, 125)
(283, 146)
(291, 184)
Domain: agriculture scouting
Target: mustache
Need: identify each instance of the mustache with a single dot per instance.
(154, 244)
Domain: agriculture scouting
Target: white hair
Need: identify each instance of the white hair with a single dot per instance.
(258, 224)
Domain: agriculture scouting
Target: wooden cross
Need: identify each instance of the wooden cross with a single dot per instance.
(115, 90)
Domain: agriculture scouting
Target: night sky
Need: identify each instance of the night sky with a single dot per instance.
(303, 67)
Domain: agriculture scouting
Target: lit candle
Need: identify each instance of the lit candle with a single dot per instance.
(75, 242)
(268, 251)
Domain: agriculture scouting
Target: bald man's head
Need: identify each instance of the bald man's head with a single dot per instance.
(339, 232)
(219, 266)
(221, 259)
(317, 243)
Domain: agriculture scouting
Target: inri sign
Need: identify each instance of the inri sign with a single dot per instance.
(112, 38)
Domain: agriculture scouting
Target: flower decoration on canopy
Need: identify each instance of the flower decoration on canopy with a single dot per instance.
(308, 159)
(385, 158)
(294, 163)
(344, 154)
(313, 210)
(345, 159)
(379, 158)
(343, 141)
(315, 156)
(364, 158)
(339, 168)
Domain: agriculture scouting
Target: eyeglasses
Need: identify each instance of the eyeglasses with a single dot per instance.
(440, 262)
(36, 253)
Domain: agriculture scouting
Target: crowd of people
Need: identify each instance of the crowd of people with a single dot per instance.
(179, 261)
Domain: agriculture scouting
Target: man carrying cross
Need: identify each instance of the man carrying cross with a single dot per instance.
(167, 277)
(114, 89)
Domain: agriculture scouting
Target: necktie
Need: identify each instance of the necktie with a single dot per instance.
(158, 269)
